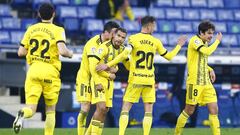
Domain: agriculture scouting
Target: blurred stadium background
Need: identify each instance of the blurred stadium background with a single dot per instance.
(174, 17)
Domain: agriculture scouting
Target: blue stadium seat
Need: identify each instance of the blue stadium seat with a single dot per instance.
(20, 1)
(162, 38)
(92, 2)
(195, 26)
(164, 3)
(62, 2)
(173, 13)
(224, 98)
(199, 3)
(16, 36)
(11, 23)
(181, 3)
(182, 26)
(92, 26)
(0, 24)
(4, 37)
(131, 26)
(67, 11)
(220, 27)
(165, 26)
(233, 28)
(232, 4)
(224, 15)
(207, 14)
(139, 12)
(117, 21)
(236, 15)
(229, 40)
(71, 24)
(215, 4)
(36, 3)
(172, 39)
(25, 23)
(5, 10)
(86, 12)
(191, 14)
(158, 13)
(78, 2)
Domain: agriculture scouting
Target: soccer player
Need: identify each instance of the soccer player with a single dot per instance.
(200, 77)
(102, 87)
(42, 44)
(142, 48)
(83, 89)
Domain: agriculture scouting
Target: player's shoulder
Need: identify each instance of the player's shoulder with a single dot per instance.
(195, 40)
(94, 41)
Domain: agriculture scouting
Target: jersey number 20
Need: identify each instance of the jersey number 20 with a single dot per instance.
(145, 56)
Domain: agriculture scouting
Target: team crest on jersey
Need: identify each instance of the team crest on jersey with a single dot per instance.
(93, 49)
(100, 51)
(197, 42)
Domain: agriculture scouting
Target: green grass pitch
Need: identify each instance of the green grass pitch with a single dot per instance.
(130, 131)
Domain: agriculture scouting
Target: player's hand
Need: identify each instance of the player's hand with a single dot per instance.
(70, 54)
(101, 67)
(113, 70)
(182, 40)
(219, 36)
(99, 87)
(212, 76)
(112, 76)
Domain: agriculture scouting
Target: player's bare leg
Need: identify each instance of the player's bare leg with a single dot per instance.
(124, 117)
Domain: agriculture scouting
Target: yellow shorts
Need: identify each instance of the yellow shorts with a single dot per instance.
(105, 95)
(198, 94)
(83, 91)
(134, 91)
(42, 78)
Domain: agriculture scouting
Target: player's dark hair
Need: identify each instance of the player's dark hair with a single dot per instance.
(121, 29)
(147, 19)
(46, 11)
(205, 26)
(110, 25)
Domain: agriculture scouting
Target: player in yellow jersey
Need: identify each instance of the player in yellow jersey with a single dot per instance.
(102, 87)
(200, 77)
(141, 81)
(83, 89)
(42, 44)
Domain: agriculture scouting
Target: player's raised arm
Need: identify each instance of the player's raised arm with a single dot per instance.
(22, 51)
(169, 55)
(209, 50)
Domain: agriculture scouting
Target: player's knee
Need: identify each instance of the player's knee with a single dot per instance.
(102, 109)
(85, 107)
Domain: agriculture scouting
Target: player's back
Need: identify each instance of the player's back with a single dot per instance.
(142, 56)
(89, 49)
(41, 41)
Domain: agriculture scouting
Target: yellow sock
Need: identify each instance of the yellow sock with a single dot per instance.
(129, 13)
(214, 124)
(88, 131)
(100, 128)
(182, 120)
(49, 123)
(27, 112)
(147, 123)
(123, 122)
(95, 127)
(82, 116)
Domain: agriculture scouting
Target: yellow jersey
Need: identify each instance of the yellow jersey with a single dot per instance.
(41, 42)
(142, 48)
(105, 53)
(83, 74)
(197, 61)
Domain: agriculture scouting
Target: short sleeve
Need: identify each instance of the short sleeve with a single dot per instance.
(160, 49)
(26, 38)
(60, 36)
(197, 44)
(101, 51)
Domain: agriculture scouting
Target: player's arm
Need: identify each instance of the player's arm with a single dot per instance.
(126, 63)
(60, 41)
(209, 68)
(63, 50)
(169, 55)
(23, 48)
(212, 74)
(122, 56)
(209, 50)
